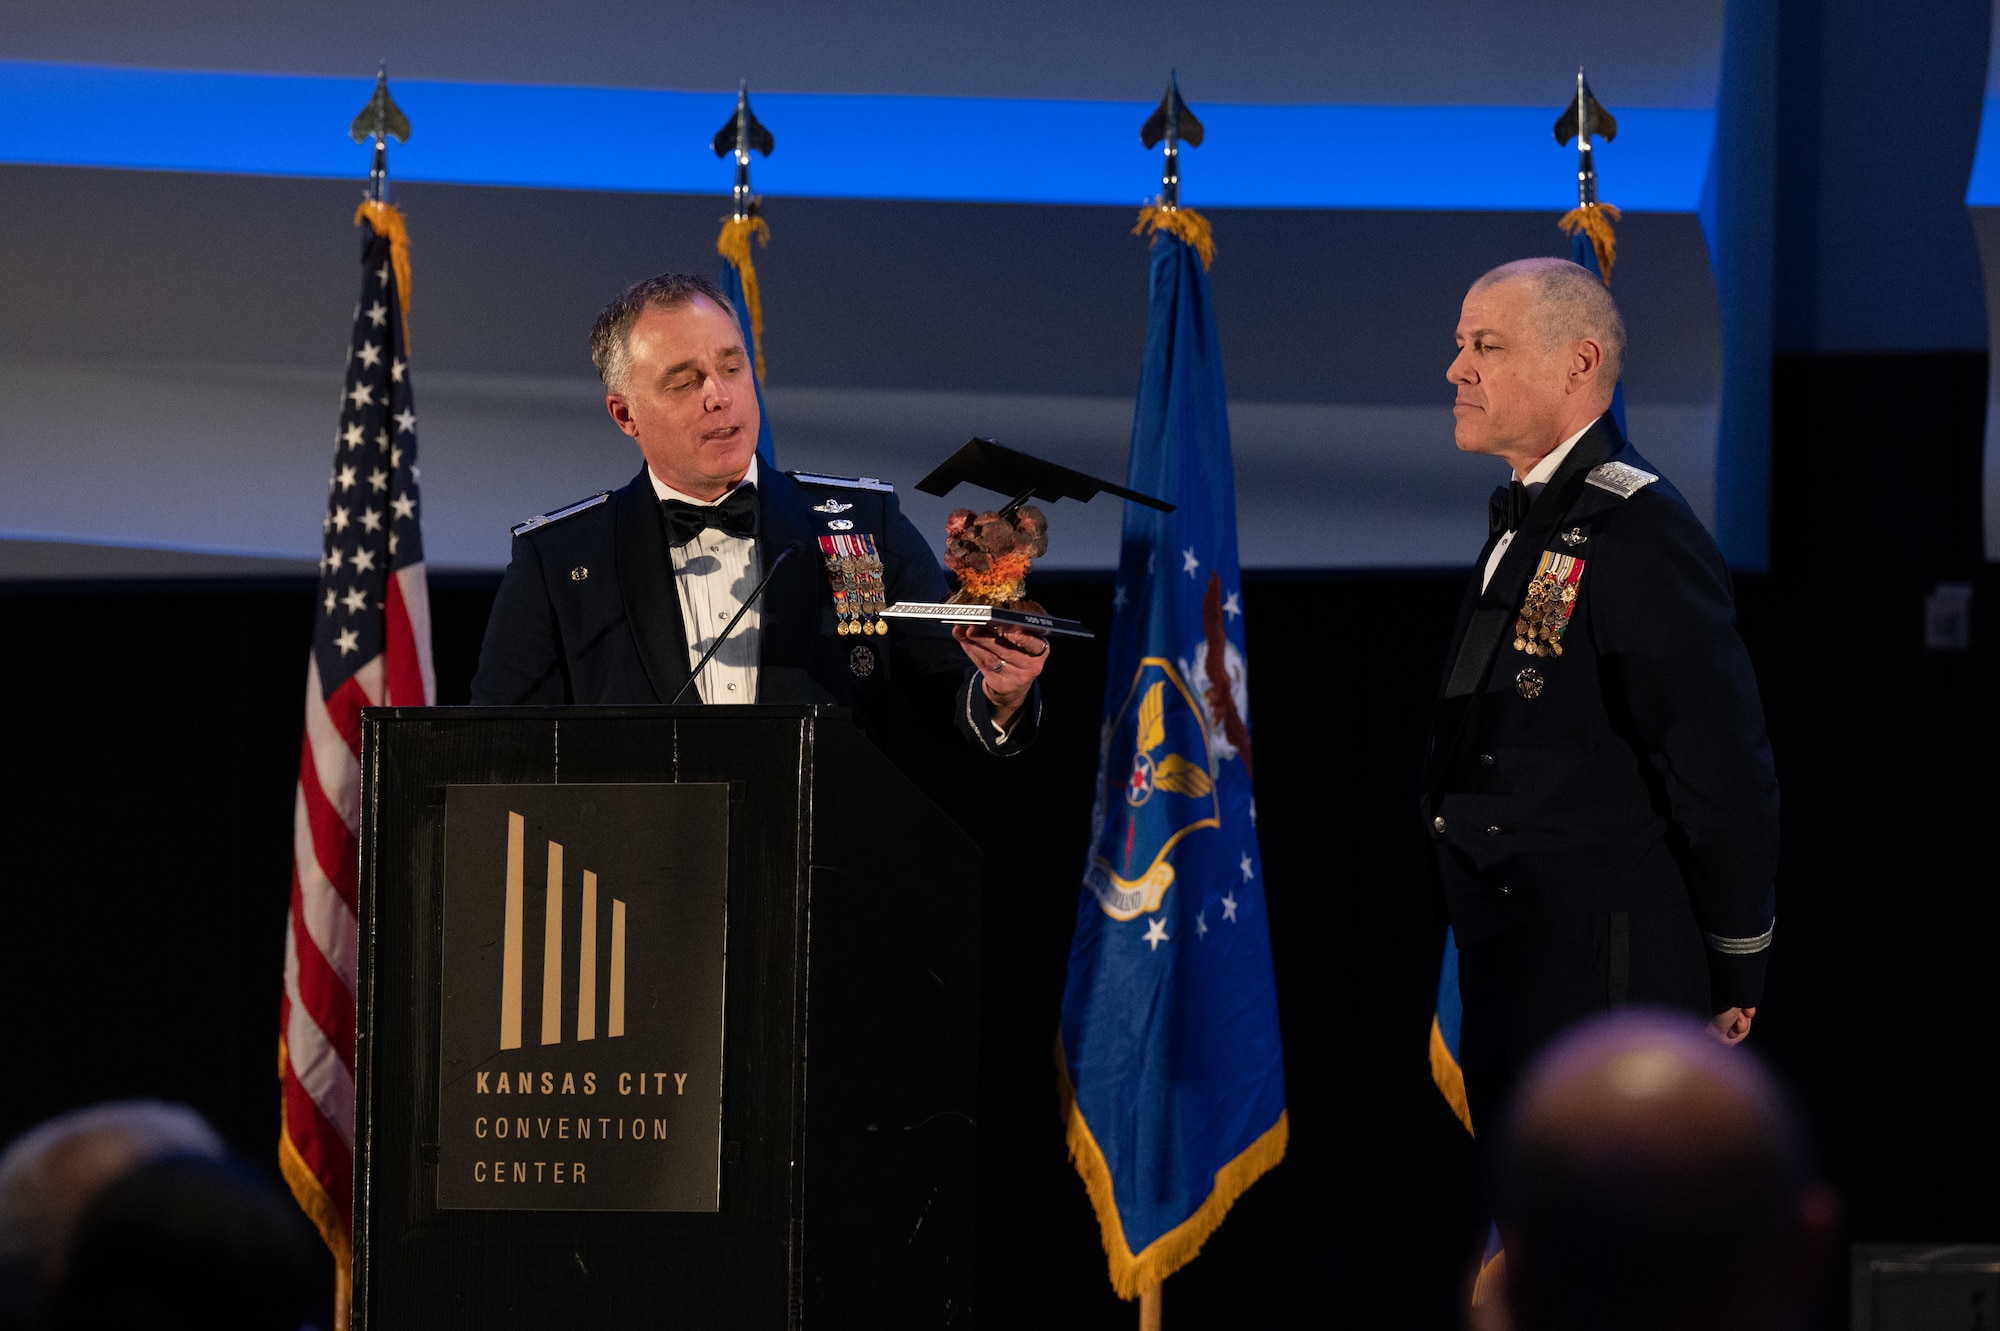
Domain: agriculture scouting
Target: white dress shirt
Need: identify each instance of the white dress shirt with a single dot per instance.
(715, 573)
(1539, 475)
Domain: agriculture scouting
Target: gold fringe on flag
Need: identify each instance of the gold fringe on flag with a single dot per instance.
(317, 1203)
(1450, 1078)
(388, 220)
(1594, 220)
(1491, 1280)
(1134, 1273)
(1190, 226)
(734, 245)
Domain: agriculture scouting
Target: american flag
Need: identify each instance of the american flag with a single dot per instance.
(371, 647)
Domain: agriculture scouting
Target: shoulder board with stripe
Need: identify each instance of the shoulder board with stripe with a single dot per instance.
(1620, 479)
(523, 528)
(842, 482)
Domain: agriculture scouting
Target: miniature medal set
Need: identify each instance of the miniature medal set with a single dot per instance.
(854, 568)
(1546, 609)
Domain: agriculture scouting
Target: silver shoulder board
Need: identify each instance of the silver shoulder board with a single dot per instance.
(1620, 479)
(843, 482)
(523, 528)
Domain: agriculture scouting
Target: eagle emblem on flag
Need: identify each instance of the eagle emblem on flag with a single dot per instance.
(1148, 804)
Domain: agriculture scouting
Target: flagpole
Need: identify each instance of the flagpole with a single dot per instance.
(1172, 123)
(741, 135)
(313, 1156)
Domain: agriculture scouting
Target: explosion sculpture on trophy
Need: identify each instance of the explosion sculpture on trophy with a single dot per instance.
(991, 552)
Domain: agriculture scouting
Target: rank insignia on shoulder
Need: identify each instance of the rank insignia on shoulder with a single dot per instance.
(571, 510)
(1620, 479)
(843, 482)
(832, 506)
(1551, 600)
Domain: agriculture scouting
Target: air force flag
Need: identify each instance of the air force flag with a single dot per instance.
(1172, 1071)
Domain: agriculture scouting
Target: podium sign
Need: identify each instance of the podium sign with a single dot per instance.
(652, 1033)
(581, 1007)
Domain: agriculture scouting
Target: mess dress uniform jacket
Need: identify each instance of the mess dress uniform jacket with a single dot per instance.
(1624, 783)
(588, 612)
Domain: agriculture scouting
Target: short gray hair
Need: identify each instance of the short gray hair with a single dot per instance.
(1570, 303)
(611, 336)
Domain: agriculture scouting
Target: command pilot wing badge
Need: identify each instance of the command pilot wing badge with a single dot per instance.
(1166, 793)
(832, 506)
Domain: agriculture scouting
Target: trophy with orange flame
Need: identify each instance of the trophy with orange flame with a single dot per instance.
(990, 552)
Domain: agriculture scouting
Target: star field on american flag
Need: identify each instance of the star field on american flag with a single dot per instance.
(370, 528)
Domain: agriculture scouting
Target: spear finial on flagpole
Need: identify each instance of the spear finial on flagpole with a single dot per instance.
(381, 119)
(1583, 117)
(742, 134)
(1173, 124)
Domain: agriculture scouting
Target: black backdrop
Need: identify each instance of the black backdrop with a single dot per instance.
(153, 747)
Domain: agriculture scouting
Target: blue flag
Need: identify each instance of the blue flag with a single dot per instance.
(1172, 1071)
(1446, 1023)
(1582, 251)
(732, 287)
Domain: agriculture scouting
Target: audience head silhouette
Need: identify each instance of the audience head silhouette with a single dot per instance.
(50, 1173)
(1652, 1179)
(133, 1215)
(186, 1243)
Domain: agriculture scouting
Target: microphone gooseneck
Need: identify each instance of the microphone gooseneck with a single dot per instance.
(716, 646)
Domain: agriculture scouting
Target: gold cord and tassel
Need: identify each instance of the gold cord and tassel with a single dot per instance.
(734, 245)
(1185, 223)
(388, 220)
(1594, 220)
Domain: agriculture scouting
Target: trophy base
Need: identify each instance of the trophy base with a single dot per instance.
(938, 613)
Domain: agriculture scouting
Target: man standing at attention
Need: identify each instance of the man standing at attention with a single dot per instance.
(617, 598)
(1599, 795)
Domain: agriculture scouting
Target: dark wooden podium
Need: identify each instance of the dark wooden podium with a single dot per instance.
(667, 1019)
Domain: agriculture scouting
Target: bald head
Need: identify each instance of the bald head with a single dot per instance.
(1653, 1178)
(1540, 345)
(1567, 303)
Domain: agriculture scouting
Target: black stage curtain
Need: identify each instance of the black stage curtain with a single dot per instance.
(149, 770)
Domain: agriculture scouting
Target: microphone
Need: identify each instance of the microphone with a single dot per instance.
(749, 601)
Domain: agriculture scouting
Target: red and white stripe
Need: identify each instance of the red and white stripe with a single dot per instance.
(322, 935)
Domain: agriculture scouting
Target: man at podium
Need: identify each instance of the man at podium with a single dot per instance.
(620, 597)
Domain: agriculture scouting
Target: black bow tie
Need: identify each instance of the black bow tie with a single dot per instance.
(736, 514)
(1508, 508)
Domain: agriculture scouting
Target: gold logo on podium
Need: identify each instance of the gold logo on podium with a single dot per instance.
(552, 942)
